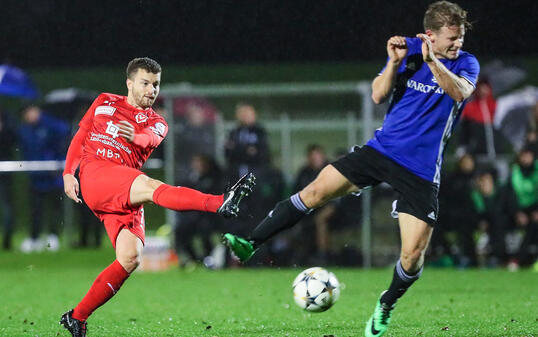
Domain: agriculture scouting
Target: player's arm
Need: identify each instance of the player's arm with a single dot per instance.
(383, 84)
(72, 160)
(148, 137)
(74, 153)
(455, 86)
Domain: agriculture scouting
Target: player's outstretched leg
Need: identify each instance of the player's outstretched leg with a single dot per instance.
(74, 326)
(188, 199)
(285, 214)
(234, 194)
(329, 184)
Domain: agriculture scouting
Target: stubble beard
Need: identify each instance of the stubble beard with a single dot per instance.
(144, 102)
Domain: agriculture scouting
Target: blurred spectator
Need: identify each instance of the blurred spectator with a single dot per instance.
(481, 109)
(8, 139)
(477, 119)
(456, 214)
(313, 231)
(182, 105)
(516, 115)
(487, 202)
(344, 222)
(43, 137)
(522, 205)
(246, 148)
(531, 138)
(316, 159)
(90, 228)
(195, 136)
(206, 176)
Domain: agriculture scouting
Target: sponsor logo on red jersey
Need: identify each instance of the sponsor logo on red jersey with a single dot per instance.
(104, 110)
(141, 118)
(112, 129)
(159, 129)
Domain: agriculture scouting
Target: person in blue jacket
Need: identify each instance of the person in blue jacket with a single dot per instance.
(43, 137)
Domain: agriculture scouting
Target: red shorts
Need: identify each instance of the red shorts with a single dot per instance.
(105, 187)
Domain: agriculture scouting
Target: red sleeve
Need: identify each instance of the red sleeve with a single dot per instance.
(74, 153)
(151, 136)
(147, 138)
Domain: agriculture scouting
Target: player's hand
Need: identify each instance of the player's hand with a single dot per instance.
(427, 48)
(397, 49)
(72, 188)
(126, 130)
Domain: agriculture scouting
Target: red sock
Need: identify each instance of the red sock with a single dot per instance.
(186, 199)
(103, 288)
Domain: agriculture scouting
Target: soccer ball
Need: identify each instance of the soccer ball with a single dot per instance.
(316, 289)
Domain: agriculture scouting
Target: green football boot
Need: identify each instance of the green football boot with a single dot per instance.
(379, 322)
(242, 249)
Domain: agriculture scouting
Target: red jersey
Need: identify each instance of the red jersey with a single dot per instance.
(102, 141)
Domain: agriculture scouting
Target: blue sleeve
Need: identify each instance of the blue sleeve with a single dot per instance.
(414, 44)
(469, 69)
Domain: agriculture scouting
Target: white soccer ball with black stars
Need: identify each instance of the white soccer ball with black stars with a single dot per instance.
(316, 289)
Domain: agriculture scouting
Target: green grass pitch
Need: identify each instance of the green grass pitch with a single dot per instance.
(36, 289)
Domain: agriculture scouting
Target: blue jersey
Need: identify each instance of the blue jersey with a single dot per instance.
(421, 116)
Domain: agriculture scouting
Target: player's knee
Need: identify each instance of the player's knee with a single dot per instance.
(129, 260)
(143, 188)
(154, 183)
(411, 259)
(150, 184)
(313, 195)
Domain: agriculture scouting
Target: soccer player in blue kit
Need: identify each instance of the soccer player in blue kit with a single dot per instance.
(427, 79)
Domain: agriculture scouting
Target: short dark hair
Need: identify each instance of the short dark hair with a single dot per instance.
(149, 65)
(487, 170)
(445, 13)
(314, 147)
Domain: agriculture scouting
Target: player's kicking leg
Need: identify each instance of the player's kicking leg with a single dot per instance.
(329, 184)
(145, 189)
(415, 235)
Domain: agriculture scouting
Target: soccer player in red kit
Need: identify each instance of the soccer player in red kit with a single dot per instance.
(116, 136)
